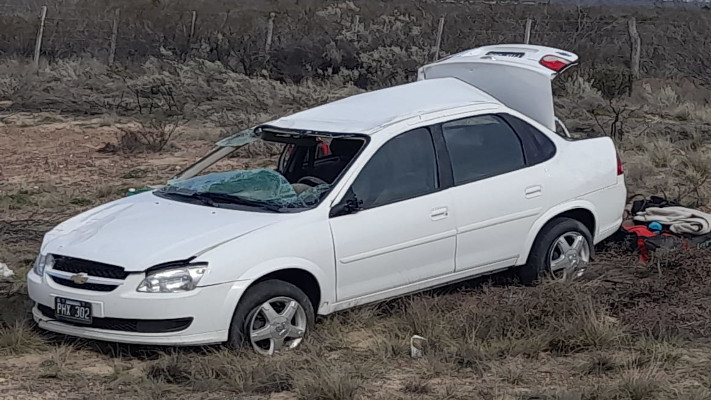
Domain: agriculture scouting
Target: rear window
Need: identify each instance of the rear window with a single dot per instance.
(537, 145)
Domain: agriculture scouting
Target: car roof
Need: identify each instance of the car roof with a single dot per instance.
(371, 111)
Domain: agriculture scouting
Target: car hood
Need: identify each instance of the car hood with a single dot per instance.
(143, 230)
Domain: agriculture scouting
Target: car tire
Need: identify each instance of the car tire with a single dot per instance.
(291, 313)
(549, 257)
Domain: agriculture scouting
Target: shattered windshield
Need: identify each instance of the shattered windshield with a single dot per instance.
(272, 171)
(261, 188)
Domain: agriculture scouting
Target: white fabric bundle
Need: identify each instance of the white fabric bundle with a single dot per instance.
(679, 219)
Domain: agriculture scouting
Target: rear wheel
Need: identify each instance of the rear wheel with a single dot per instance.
(562, 251)
(272, 316)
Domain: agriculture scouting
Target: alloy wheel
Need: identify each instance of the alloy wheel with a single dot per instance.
(569, 256)
(276, 325)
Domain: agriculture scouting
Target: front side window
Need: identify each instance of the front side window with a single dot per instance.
(403, 168)
(481, 147)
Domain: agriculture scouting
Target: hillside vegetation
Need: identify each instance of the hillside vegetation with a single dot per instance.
(370, 43)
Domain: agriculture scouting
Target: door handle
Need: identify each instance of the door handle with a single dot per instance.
(439, 213)
(533, 191)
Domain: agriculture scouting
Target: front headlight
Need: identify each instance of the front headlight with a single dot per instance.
(180, 279)
(42, 262)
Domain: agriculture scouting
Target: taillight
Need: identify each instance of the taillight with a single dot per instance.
(555, 63)
(620, 170)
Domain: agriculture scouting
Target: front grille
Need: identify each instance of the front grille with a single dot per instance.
(86, 286)
(91, 268)
(128, 325)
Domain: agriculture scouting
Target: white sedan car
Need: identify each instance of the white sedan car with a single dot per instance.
(381, 194)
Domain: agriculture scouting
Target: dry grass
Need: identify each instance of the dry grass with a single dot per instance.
(417, 386)
(305, 373)
(328, 382)
(495, 339)
(200, 90)
(476, 330)
(599, 364)
(53, 198)
(155, 137)
(18, 338)
(639, 384)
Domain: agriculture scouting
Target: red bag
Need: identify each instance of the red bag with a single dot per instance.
(643, 235)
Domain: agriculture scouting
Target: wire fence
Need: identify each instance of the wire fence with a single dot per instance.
(251, 36)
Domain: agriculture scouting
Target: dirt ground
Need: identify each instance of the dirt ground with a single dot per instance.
(628, 331)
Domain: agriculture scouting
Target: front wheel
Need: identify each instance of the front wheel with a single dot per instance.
(272, 316)
(562, 251)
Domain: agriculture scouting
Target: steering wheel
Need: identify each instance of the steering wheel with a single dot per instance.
(312, 181)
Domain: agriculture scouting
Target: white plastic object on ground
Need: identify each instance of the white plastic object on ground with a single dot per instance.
(416, 344)
(5, 271)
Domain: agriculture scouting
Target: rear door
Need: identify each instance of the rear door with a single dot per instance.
(500, 168)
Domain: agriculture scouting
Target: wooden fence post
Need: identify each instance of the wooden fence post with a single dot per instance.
(527, 38)
(440, 28)
(114, 37)
(40, 32)
(192, 26)
(270, 32)
(636, 48)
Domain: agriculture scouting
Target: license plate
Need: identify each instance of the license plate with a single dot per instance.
(72, 310)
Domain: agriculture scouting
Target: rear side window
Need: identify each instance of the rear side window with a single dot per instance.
(481, 147)
(537, 145)
(403, 168)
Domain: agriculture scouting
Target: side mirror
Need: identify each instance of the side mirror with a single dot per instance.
(349, 205)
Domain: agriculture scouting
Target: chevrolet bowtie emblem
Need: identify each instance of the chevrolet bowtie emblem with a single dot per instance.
(79, 278)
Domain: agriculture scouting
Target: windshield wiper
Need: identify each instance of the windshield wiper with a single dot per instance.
(232, 199)
(205, 199)
(199, 196)
(213, 199)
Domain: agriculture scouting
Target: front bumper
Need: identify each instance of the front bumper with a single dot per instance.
(210, 307)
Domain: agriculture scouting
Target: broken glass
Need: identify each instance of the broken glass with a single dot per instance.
(259, 185)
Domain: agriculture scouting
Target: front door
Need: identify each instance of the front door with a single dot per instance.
(404, 232)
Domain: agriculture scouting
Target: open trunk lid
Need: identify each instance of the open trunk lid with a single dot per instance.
(518, 75)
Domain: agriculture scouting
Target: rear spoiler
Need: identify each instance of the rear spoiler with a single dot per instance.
(545, 60)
